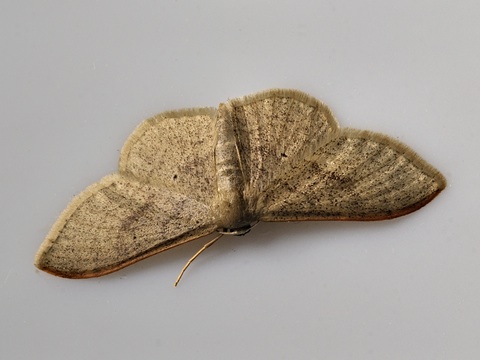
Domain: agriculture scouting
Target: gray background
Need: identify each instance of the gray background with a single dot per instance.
(77, 77)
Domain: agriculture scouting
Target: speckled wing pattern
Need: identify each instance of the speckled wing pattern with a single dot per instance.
(146, 208)
(354, 175)
(275, 130)
(174, 149)
(299, 165)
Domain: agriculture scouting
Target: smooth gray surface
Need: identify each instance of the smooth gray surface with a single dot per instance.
(77, 77)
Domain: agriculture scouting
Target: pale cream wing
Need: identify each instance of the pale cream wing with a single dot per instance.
(357, 175)
(174, 149)
(117, 222)
(274, 130)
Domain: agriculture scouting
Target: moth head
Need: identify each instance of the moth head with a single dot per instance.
(237, 232)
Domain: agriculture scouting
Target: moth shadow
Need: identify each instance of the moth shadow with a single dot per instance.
(261, 238)
(302, 232)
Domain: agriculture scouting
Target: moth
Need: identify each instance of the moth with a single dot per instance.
(278, 155)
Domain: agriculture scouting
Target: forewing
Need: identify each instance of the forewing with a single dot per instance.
(357, 175)
(117, 222)
(175, 150)
(274, 130)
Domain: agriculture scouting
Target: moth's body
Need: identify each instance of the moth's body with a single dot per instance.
(274, 156)
(229, 208)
